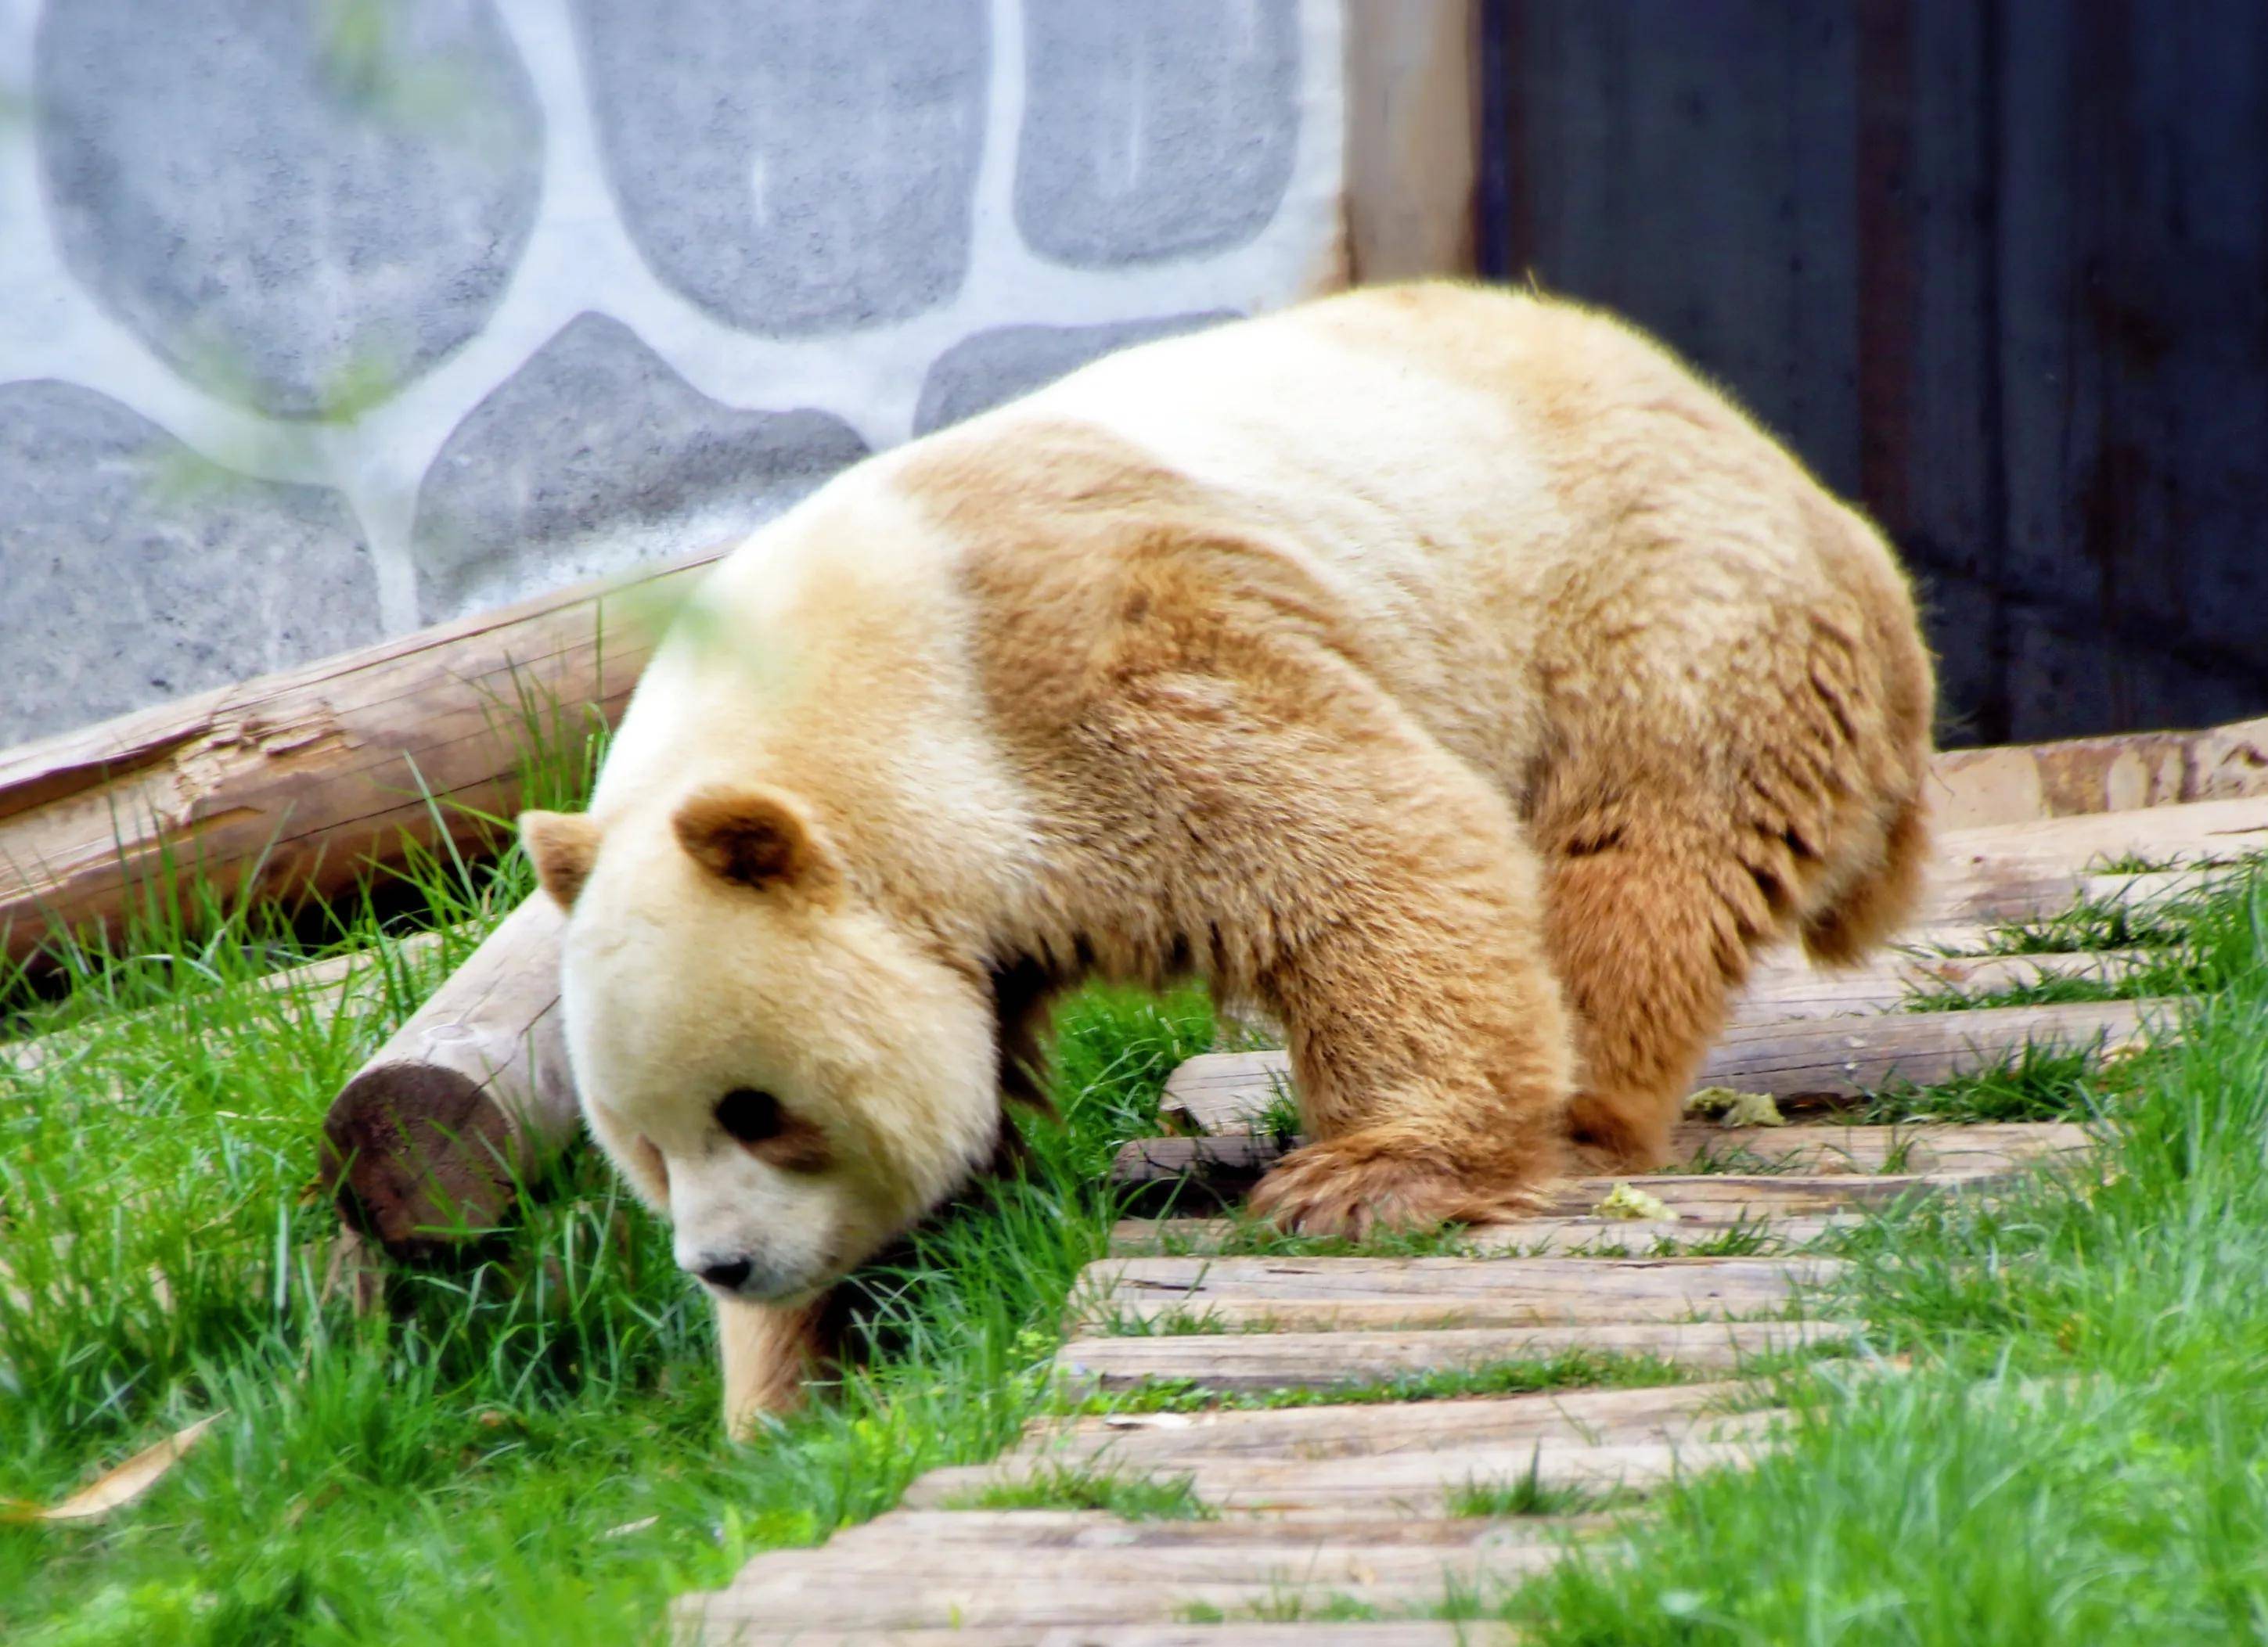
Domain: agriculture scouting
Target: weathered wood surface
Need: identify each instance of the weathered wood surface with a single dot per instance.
(1211, 1171)
(1324, 1360)
(1298, 1294)
(422, 1147)
(1803, 1168)
(1410, 140)
(1784, 988)
(1828, 1057)
(1991, 900)
(2017, 782)
(1423, 1480)
(1163, 1445)
(1139, 1238)
(299, 782)
(914, 1572)
(696, 1629)
(2033, 867)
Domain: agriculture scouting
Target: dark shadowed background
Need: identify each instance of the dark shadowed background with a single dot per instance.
(1998, 268)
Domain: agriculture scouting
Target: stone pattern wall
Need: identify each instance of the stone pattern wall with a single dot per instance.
(323, 319)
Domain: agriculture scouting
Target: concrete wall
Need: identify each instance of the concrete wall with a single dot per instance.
(323, 319)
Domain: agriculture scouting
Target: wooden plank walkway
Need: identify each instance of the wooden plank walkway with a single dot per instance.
(1804, 1058)
(1342, 1523)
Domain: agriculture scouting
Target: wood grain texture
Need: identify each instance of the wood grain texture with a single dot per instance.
(1411, 139)
(1147, 1445)
(1425, 1481)
(298, 782)
(1272, 1361)
(422, 1147)
(1302, 1294)
(1137, 1237)
(696, 1627)
(322, 988)
(1783, 987)
(1828, 1057)
(2019, 783)
(1101, 1571)
(1202, 1172)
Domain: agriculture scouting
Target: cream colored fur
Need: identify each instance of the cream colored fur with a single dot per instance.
(1447, 671)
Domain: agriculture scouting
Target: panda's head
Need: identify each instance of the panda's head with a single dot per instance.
(787, 1073)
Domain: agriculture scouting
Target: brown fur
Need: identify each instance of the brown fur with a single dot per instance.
(1486, 767)
(1447, 957)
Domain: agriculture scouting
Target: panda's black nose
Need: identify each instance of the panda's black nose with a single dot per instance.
(729, 1277)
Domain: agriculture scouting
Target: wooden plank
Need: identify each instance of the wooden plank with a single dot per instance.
(2018, 854)
(1224, 1092)
(915, 1524)
(1148, 1445)
(1410, 139)
(696, 1627)
(1273, 1361)
(1423, 1483)
(1993, 899)
(2130, 440)
(1318, 1477)
(1526, 1237)
(1296, 1294)
(1201, 1172)
(1782, 989)
(1147, 1572)
(2019, 783)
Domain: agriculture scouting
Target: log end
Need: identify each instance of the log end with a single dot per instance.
(417, 1156)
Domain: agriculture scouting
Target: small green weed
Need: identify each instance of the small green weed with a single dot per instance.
(1135, 1498)
(1528, 1494)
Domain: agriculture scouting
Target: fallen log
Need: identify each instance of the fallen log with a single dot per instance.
(297, 784)
(423, 1147)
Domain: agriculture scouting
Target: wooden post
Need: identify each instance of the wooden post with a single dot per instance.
(423, 1145)
(1412, 137)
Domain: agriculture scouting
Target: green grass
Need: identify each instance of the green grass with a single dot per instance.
(2050, 1083)
(522, 1446)
(1528, 1494)
(1133, 1497)
(525, 1445)
(2076, 1454)
(1574, 1369)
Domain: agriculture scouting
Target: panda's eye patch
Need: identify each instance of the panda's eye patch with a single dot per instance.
(750, 1116)
(760, 1124)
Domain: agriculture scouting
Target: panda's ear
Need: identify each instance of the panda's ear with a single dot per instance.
(756, 837)
(562, 847)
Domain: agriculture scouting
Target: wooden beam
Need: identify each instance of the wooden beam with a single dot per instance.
(1412, 138)
(1215, 1170)
(1272, 1361)
(2024, 782)
(1594, 1236)
(300, 783)
(1298, 1294)
(1824, 1057)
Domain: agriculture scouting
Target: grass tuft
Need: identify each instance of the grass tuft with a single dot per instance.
(1135, 1498)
